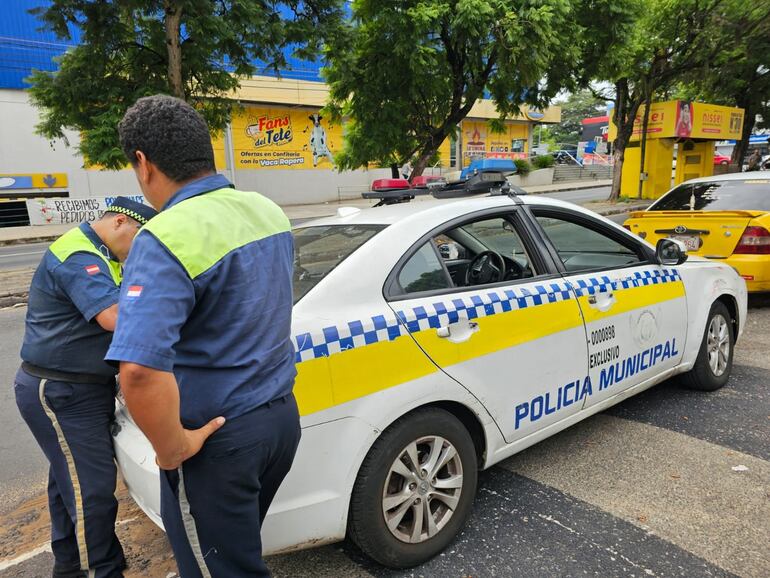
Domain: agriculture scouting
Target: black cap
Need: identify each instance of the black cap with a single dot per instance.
(139, 212)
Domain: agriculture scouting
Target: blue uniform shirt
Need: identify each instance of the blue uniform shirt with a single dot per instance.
(64, 298)
(224, 330)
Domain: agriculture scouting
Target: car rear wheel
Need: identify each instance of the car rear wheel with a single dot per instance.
(715, 359)
(415, 489)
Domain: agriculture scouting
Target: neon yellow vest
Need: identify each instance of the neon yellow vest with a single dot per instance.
(75, 241)
(201, 230)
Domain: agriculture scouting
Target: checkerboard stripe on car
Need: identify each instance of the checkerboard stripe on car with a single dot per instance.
(388, 327)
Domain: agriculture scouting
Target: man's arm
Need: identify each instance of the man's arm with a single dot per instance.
(152, 398)
(108, 318)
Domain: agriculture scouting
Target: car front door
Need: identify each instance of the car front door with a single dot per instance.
(516, 342)
(635, 310)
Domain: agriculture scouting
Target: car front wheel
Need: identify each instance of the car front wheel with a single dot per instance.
(415, 489)
(715, 358)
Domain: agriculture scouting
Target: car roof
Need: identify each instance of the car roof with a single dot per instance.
(414, 210)
(730, 177)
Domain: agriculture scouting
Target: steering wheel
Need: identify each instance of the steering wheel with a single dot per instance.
(515, 270)
(486, 267)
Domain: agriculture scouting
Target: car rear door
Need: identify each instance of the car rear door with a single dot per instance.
(635, 310)
(518, 345)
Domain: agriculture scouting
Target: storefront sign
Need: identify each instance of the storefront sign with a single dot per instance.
(58, 211)
(33, 181)
(284, 138)
(682, 119)
(479, 141)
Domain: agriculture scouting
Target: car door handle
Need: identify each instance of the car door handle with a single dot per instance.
(602, 301)
(458, 332)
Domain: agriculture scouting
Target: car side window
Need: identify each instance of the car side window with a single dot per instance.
(582, 248)
(481, 252)
(423, 272)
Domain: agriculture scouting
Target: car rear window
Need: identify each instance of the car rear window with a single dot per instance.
(745, 195)
(318, 250)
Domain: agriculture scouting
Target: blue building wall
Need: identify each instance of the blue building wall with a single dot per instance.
(24, 47)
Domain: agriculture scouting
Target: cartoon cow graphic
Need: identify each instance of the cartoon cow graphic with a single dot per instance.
(318, 141)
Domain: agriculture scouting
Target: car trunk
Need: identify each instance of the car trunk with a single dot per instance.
(707, 233)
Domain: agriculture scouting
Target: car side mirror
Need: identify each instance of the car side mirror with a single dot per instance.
(670, 252)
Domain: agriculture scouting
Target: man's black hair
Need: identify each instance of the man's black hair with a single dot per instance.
(171, 134)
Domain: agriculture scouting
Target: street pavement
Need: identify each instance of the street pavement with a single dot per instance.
(21, 256)
(647, 488)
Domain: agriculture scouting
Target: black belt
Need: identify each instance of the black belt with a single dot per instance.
(55, 375)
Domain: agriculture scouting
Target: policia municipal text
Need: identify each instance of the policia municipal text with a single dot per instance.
(66, 392)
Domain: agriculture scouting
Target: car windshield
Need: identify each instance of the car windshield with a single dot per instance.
(318, 250)
(746, 195)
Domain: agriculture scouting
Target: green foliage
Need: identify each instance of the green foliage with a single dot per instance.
(125, 55)
(407, 73)
(543, 162)
(665, 40)
(576, 107)
(739, 74)
(523, 167)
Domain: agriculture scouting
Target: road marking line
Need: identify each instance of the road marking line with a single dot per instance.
(5, 564)
(22, 254)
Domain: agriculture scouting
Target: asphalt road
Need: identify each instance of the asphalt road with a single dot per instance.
(645, 489)
(21, 256)
(25, 256)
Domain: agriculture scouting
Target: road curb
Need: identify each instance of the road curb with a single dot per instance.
(620, 210)
(577, 187)
(13, 299)
(29, 240)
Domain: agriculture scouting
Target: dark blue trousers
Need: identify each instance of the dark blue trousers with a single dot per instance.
(71, 423)
(213, 506)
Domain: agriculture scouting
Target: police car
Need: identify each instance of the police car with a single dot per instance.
(437, 338)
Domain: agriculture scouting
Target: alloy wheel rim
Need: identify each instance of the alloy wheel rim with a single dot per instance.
(718, 345)
(422, 489)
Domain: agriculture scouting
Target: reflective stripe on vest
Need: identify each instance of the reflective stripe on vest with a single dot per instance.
(75, 241)
(199, 231)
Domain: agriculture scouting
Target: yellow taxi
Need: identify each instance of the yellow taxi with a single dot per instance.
(724, 218)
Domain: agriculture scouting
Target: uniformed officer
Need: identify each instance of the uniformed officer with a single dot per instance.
(66, 392)
(203, 336)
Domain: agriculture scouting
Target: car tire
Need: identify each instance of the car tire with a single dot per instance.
(382, 489)
(709, 372)
(724, 163)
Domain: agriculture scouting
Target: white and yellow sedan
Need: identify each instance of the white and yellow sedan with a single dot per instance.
(436, 338)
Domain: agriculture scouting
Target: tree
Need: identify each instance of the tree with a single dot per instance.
(668, 40)
(406, 73)
(739, 75)
(576, 107)
(197, 50)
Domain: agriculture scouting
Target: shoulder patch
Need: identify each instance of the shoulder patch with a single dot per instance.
(92, 269)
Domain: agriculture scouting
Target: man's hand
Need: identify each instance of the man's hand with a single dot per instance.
(152, 398)
(194, 440)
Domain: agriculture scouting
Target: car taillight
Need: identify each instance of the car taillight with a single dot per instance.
(754, 241)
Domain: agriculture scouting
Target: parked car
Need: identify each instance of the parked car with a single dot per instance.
(725, 218)
(435, 339)
(720, 159)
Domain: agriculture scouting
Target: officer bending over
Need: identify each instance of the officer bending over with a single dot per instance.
(66, 392)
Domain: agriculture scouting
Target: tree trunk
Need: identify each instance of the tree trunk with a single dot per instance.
(742, 146)
(643, 137)
(619, 153)
(626, 109)
(426, 153)
(172, 23)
